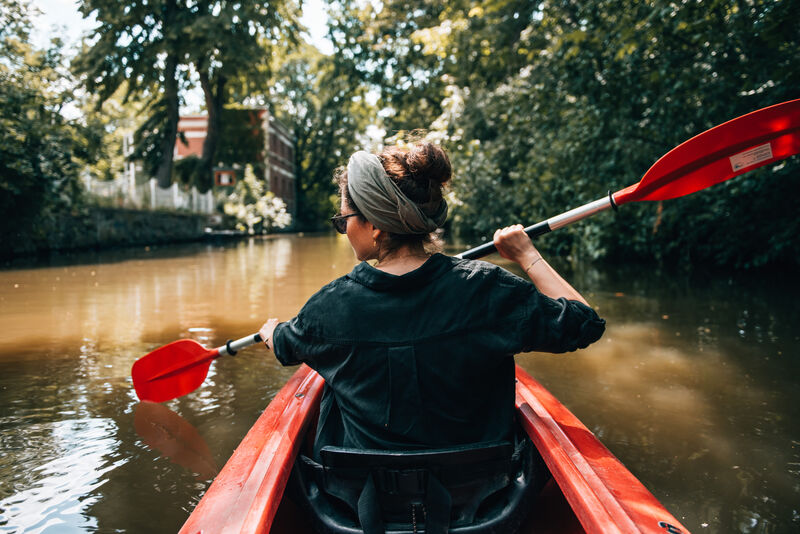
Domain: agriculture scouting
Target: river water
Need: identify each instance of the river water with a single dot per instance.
(694, 385)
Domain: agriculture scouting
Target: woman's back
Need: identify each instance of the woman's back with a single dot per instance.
(426, 359)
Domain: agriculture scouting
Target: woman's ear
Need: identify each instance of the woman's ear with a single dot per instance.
(376, 233)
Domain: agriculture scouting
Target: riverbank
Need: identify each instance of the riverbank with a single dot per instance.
(96, 228)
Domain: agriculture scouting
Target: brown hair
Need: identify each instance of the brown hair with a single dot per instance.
(421, 171)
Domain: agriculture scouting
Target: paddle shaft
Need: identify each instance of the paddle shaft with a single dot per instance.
(232, 347)
(553, 223)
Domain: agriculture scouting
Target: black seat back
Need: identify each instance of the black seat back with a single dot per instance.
(469, 489)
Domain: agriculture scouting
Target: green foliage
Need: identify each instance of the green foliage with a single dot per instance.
(226, 40)
(185, 172)
(126, 45)
(546, 106)
(15, 29)
(109, 125)
(241, 138)
(152, 138)
(393, 58)
(41, 152)
(256, 210)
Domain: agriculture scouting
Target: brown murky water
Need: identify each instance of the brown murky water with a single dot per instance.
(694, 386)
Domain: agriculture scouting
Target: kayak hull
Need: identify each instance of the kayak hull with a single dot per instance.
(591, 490)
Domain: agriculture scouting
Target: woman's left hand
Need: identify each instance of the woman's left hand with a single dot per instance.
(266, 331)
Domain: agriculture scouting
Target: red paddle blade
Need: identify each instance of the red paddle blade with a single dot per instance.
(730, 149)
(172, 370)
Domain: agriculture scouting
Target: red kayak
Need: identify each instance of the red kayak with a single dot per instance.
(590, 490)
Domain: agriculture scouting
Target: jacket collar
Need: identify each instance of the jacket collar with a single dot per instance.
(367, 275)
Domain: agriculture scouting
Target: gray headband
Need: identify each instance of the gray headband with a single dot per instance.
(383, 204)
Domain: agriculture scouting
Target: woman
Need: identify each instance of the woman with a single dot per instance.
(417, 350)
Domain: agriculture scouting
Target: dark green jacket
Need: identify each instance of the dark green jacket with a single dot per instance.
(425, 360)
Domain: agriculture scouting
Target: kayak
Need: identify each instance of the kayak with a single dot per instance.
(590, 489)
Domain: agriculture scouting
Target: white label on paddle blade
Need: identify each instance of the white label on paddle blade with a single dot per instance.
(751, 157)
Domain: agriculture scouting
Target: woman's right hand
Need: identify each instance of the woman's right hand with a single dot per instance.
(514, 244)
(266, 331)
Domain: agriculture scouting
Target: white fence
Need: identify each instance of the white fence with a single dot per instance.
(122, 192)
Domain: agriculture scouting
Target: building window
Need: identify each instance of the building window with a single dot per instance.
(225, 178)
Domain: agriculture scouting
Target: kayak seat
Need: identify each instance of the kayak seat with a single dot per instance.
(472, 489)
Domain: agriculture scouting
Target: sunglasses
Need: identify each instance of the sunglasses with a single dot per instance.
(340, 222)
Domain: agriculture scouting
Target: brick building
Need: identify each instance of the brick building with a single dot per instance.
(273, 146)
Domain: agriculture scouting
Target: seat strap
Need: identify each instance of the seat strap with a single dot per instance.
(369, 509)
(437, 504)
(437, 508)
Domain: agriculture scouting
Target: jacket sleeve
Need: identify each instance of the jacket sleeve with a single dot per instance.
(294, 344)
(559, 325)
(286, 340)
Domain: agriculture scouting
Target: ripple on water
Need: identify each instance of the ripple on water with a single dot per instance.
(51, 473)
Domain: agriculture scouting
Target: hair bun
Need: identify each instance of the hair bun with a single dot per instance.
(420, 171)
(428, 161)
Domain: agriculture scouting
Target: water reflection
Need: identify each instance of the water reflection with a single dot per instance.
(64, 463)
(693, 387)
(172, 436)
(135, 300)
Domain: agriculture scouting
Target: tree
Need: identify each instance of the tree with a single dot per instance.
(114, 122)
(140, 45)
(324, 98)
(227, 43)
(41, 152)
(391, 57)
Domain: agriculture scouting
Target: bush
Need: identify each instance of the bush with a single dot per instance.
(256, 210)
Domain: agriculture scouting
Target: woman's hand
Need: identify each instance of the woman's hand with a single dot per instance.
(266, 331)
(514, 244)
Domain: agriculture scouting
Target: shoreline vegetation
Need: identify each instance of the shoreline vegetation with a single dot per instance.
(176, 233)
(103, 228)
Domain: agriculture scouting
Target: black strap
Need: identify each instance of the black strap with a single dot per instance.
(437, 508)
(369, 509)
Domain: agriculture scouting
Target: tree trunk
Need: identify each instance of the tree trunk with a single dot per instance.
(214, 95)
(164, 171)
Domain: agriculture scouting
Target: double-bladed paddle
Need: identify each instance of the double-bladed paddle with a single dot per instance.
(730, 149)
